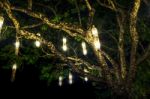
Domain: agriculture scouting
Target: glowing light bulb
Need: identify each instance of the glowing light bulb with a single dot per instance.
(64, 47)
(60, 80)
(97, 44)
(37, 43)
(1, 22)
(14, 67)
(84, 48)
(85, 79)
(70, 78)
(94, 31)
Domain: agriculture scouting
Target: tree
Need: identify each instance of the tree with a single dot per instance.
(118, 72)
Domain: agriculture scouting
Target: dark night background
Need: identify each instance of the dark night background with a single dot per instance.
(37, 73)
(27, 84)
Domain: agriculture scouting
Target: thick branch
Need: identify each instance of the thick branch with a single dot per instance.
(62, 26)
(134, 39)
(11, 16)
(120, 20)
(91, 14)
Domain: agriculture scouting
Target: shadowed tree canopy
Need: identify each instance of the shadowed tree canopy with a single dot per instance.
(115, 33)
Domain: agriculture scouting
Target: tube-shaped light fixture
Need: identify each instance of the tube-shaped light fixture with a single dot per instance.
(70, 78)
(60, 80)
(84, 48)
(64, 47)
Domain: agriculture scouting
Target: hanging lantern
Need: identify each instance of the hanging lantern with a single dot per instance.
(96, 38)
(1, 22)
(85, 79)
(17, 45)
(60, 80)
(64, 47)
(14, 68)
(84, 48)
(70, 78)
(37, 43)
(94, 31)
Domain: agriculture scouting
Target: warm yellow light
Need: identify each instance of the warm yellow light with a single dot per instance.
(94, 31)
(64, 47)
(37, 43)
(84, 48)
(60, 80)
(85, 79)
(1, 22)
(97, 44)
(70, 78)
(14, 67)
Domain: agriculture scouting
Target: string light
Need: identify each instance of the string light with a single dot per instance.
(37, 43)
(70, 78)
(84, 48)
(64, 47)
(17, 45)
(85, 79)
(60, 80)
(1, 22)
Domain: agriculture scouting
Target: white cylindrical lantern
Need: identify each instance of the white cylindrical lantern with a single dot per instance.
(17, 45)
(84, 48)
(64, 47)
(94, 31)
(14, 68)
(70, 78)
(60, 80)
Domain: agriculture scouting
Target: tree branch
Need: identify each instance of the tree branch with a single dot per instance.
(62, 26)
(134, 40)
(91, 14)
(144, 57)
